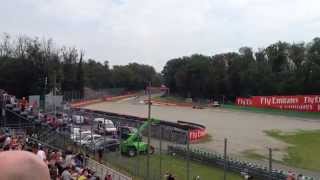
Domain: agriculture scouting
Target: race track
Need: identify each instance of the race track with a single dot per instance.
(244, 130)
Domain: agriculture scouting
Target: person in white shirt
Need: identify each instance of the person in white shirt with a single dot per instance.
(41, 154)
(7, 142)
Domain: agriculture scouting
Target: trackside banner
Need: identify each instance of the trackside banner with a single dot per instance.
(307, 103)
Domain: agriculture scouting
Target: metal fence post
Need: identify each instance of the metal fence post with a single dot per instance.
(270, 163)
(149, 129)
(119, 126)
(225, 159)
(79, 137)
(104, 130)
(160, 152)
(138, 159)
(188, 155)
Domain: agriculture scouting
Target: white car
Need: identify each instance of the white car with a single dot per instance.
(75, 136)
(89, 139)
(105, 125)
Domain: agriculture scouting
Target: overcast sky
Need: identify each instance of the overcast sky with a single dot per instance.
(153, 31)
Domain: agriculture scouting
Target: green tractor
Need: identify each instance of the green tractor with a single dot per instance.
(133, 143)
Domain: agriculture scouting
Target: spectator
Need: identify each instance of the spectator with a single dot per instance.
(7, 142)
(100, 154)
(290, 175)
(84, 175)
(34, 169)
(66, 174)
(13, 100)
(171, 177)
(69, 158)
(166, 175)
(41, 154)
(23, 103)
(53, 170)
(108, 177)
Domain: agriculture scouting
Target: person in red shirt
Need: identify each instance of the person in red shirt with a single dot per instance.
(23, 103)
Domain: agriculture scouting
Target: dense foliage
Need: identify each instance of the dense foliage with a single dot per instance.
(33, 66)
(280, 69)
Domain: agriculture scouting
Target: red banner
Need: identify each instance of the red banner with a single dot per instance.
(306, 103)
(197, 134)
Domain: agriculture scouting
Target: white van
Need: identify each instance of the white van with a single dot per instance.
(78, 119)
(105, 126)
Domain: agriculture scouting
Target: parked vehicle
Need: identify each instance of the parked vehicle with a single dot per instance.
(78, 119)
(107, 144)
(134, 145)
(124, 131)
(75, 134)
(104, 126)
(90, 139)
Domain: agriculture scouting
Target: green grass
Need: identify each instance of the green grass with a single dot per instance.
(304, 150)
(250, 154)
(175, 165)
(313, 115)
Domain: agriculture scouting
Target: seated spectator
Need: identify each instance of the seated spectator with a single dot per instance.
(53, 170)
(66, 174)
(108, 177)
(12, 167)
(84, 175)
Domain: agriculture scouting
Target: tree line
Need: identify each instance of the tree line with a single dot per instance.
(34, 66)
(280, 69)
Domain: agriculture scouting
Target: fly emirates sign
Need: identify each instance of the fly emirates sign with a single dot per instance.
(309, 103)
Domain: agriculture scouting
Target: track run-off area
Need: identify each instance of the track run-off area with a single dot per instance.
(245, 130)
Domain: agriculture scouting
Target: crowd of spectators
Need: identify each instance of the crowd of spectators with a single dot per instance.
(61, 165)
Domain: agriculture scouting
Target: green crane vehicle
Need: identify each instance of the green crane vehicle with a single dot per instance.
(134, 145)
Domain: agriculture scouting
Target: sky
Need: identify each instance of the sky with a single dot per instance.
(155, 31)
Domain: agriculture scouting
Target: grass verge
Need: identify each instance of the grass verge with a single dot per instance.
(173, 99)
(250, 154)
(304, 149)
(311, 115)
(175, 165)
